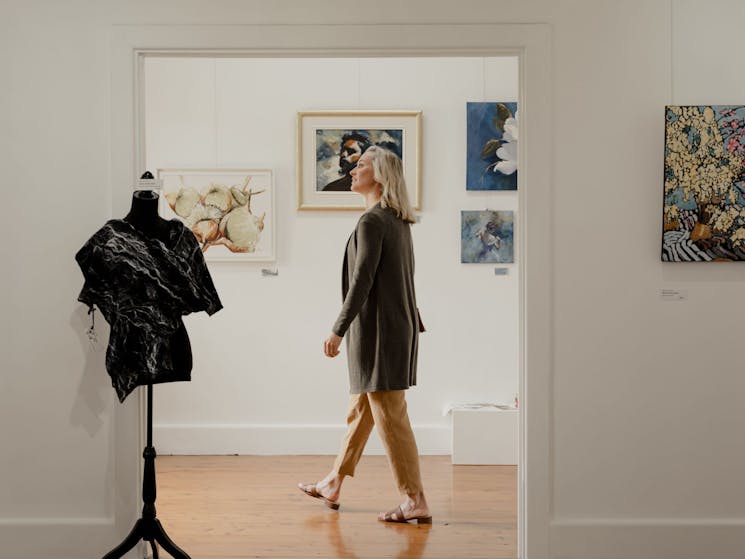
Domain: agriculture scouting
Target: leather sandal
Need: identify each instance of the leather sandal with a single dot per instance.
(311, 491)
(397, 515)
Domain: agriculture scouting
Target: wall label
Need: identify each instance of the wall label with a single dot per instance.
(673, 294)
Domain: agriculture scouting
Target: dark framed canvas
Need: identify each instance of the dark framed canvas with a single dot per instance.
(704, 181)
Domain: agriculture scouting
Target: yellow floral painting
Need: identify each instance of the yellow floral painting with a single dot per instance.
(704, 174)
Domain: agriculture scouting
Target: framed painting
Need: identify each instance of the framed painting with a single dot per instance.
(329, 143)
(229, 211)
(491, 146)
(704, 181)
(487, 237)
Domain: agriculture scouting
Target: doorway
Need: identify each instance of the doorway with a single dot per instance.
(433, 40)
(214, 122)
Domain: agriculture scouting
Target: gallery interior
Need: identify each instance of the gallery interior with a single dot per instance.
(623, 363)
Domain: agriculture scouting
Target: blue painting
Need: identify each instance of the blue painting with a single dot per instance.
(487, 236)
(337, 153)
(704, 174)
(491, 148)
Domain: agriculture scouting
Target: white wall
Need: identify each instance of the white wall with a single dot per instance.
(647, 394)
(646, 408)
(261, 384)
(59, 494)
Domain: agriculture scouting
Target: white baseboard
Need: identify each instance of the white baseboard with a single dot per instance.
(648, 538)
(279, 439)
(60, 538)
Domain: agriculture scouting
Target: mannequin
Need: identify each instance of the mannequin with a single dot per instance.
(145, 273)
(143, 215)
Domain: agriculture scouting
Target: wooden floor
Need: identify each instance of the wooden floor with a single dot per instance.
(220, 507)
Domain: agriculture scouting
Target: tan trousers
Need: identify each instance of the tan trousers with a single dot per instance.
(387, 411)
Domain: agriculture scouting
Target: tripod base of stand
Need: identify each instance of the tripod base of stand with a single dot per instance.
(150, 530)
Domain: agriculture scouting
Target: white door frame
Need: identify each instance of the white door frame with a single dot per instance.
(532, 44)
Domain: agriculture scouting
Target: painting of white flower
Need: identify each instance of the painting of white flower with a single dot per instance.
(492, 136)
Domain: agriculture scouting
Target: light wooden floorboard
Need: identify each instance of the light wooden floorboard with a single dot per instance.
(230, 507)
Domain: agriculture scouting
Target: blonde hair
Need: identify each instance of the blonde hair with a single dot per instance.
(388, 171)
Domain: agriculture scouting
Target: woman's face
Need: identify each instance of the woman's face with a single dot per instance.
(363, 180)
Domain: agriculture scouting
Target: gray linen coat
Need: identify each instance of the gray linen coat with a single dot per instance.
(379, 315)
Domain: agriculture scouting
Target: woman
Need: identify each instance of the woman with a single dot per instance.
(381, 323)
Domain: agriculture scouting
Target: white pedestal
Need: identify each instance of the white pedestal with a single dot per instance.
(485, 436)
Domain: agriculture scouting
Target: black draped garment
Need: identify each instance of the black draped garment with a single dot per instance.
(143, 286)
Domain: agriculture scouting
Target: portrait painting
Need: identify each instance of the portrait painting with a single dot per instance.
(704, 184)
(491, 146)
(229, 211)
(487, 236)
(331, 142)
(337, 153)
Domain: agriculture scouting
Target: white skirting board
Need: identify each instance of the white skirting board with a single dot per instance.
(648, 538)
(60, 538)
(279, 439)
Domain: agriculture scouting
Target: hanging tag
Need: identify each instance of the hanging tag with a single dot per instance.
(149, 184)
(91, 332)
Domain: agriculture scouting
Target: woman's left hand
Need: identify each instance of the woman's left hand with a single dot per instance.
(331, 345)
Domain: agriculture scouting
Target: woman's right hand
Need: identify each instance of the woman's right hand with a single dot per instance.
(331, 345)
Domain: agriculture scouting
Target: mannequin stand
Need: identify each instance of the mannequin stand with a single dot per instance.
(148, 527)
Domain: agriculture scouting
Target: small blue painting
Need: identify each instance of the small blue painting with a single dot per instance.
(487, 236)
(491, 149)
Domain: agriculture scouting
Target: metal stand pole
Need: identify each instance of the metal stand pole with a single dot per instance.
(148, 527)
